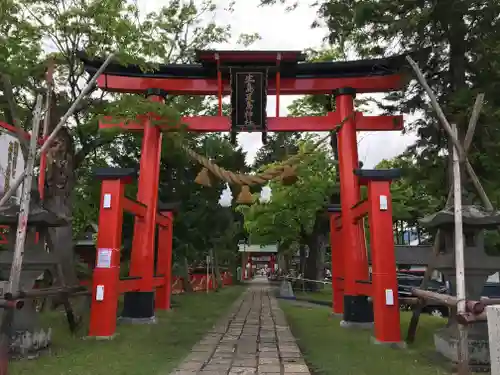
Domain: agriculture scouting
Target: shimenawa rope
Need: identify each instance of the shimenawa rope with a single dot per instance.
(263, 177)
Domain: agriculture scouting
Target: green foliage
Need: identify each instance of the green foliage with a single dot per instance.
(279, 147)
(293, 209)
(170, 34)
(315, 105)
(457, 45)
(411, 199)
(129, 107)
(19, 43)
(248, 39)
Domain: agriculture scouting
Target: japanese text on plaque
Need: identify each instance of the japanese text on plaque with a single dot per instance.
(249, 100)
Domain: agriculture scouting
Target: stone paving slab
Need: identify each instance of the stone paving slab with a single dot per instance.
(253, 338)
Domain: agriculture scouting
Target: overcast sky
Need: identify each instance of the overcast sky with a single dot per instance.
(290, 31)
(280, 31)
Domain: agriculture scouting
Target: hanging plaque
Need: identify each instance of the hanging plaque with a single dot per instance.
(248, 99)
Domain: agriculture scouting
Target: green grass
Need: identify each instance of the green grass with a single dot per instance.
(137, 349)
(323, 295)
(330, 349)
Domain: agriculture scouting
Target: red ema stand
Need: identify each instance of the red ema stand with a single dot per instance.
(275, 73)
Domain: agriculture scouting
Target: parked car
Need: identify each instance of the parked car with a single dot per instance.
(491, 290)
(407, 282)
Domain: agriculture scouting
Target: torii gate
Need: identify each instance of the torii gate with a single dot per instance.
(249, 77)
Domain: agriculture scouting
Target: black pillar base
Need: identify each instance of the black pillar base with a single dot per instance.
(138, 307)
(358, 309)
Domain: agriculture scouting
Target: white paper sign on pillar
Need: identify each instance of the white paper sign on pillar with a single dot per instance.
(99, 293)
(389, 297)
(104, 258)
(106, 201)
(383, 203)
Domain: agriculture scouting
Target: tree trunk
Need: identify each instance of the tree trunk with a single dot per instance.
(302, 255)
(218, 279)
(287, 261)
(283, 258)
(59, 186)
(185, 276)
(314, 264)
(322, 248)
(316, 242)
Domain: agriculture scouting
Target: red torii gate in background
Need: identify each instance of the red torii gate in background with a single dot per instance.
(249, 77)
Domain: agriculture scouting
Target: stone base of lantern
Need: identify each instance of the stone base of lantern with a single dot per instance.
(28, 338)
(446, 343)
(29, 345)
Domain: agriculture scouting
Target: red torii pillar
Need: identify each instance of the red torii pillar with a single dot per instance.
(250, 266)
(272, 262)
(106, 276)
(384, 291)
(243, 266)
(164, 262)
(357, 308)
(139, 306)
(338, 272)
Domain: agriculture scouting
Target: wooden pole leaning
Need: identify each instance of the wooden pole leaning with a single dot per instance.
(61, 123)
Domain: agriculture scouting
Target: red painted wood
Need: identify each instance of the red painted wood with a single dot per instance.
(274, 124)
(288, 86)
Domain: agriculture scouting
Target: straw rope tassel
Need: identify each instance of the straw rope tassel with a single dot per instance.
(203, 178)
(245, 196)
(289, 175)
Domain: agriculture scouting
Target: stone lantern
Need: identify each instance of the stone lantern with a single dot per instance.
(28, 338)
(478, 267)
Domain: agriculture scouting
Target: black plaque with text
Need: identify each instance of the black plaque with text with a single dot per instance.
(248, 99)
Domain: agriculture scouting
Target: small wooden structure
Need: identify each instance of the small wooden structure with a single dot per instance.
(85, 245)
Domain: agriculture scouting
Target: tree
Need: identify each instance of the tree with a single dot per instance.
(296, 215)
(96, 27)
(459, 45)
(202, 223)
(279, 147)
(411, 198)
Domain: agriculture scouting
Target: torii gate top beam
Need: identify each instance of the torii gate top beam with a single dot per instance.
(296, 77)
(249, 77)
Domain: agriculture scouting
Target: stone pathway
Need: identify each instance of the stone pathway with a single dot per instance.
(253, 338)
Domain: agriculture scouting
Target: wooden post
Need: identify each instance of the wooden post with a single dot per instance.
(43, 156)
(453, 137)
(463, 347)
(208, 269)
(412, 327)
(22, 223)
(439, 112)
